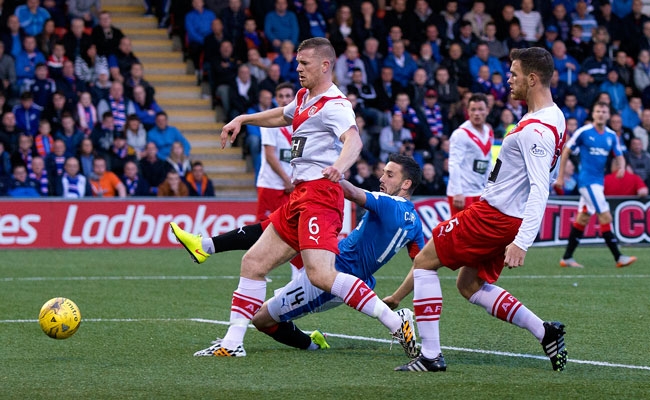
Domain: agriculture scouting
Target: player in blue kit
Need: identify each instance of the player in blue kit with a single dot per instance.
(596, 142)
(390, 224)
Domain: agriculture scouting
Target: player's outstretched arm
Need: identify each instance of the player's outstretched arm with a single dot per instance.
(270, 118)
(352, 146)
(402, 291)
(559, 181)
(353, 193)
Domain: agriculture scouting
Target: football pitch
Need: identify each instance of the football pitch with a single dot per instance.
(145, 312)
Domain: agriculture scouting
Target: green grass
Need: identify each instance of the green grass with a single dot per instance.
(138, 336)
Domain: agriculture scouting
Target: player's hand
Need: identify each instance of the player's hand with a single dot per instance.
(514, 256)
(620, 173)
(391, 302)
(231, 128)
(459, 201)
(332, 173)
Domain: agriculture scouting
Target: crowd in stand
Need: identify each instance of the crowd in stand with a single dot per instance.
(72, 86)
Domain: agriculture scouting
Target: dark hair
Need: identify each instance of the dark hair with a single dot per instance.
(410, 169)
(477, 97)
(159, 113)
(196, 163)
(535, 60)
(285, 85)
(107, 114)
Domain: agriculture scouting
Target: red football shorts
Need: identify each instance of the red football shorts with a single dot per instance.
(269, 200)
(476, 237)
(313, 217)
(468, 201)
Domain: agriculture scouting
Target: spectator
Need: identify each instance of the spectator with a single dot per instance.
(630, 184)
(372, 59)
(70, 135)
(55, 61)
(27, 114)
(9, 131)
(5, 163)
(345, 64)
(134, 183)
(212, 47)
(121, 60)
(253, 140)
(387, 88)
(223, 72)
(71, 184)
(83, 10)
(257, 64)
(76, 40)
(561, 20)
(639, 160)
(41, 86)
(625, 71)
(102, 87)
(26, 62)
(417, 88)
(86, 157)
(119, 154)
(450, 16)
(7, 72)
(427, 62)
(515, 39)
(104, 133)
(644, 41)
(117, 104)
(393, 137)
(457, 68)
(55, 109)
(364, 178)
(566, 66)
(88, 64)
(400, 15)
(506, 123)
(21, 185)
(607, 19)
(531, 21)
(576, 46)
(136, 78)
(558, 88)
(153, 169)
(47, 39)
(281, 24)
(145, 109)
(105, 183)
(584, 90)
(584, 19)
(570, 186)
(13, 36)
(483, 57)
(173, 186)
(69, 84)
(496, 47)
(623, 134)
(642, 71)
(432, 184)
(87, 113)
(136, 135)
(504, 20)
(164, 135)
(551, 34)
(598, 64)
(478, 18)
(242, 93)
(642, 131)
(615, 89)
(366, 25)
(402, 64)
(178, 160)
(340, 30)
(633, 27)
(287, 62)
(233, 18)
(467, 40)
(55, 160)
(38, 174)
(253, 38)
(198, 183)
(631, 113)
(32, 17)
(448, 93)
(433, 115)
(105, 36)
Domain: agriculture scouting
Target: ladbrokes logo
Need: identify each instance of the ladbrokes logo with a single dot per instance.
(18, 230)
(136, 227)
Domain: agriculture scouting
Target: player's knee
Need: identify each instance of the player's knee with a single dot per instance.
(422, 261)
(605, 218)
(467, 288)
(320, 277)
(253, 267)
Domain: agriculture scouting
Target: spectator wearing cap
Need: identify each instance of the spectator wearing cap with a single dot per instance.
(615, 89)
(433, 114)
(551, 34)
(598, 64)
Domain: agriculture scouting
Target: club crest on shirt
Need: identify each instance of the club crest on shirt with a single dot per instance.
(537, 151)
(313, 110)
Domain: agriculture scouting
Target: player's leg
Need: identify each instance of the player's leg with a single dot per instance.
(267, 253)
(605, 221)
(585, 210)
(295, 300)
(200, 248)
(504, 306)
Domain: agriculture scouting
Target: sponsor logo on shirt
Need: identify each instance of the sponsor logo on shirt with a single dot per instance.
(536, 151)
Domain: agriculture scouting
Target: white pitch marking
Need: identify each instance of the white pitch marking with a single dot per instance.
(350, 337)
